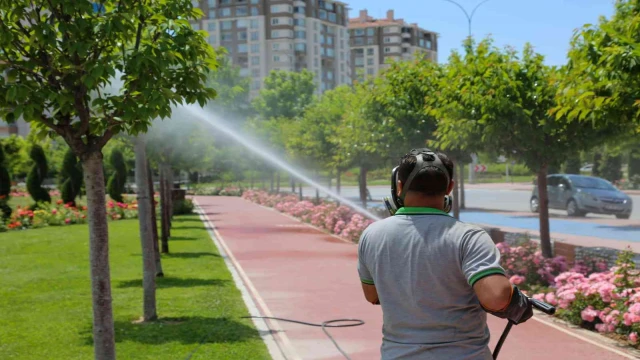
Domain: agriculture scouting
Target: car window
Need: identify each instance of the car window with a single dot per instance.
(565, 182)
(592, 183)
(552, 181)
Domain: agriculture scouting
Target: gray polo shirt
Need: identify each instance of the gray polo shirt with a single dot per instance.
(424, 263)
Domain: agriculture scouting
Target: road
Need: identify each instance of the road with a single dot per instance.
(490, 199)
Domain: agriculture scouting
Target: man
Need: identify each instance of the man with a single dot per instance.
(435, 277)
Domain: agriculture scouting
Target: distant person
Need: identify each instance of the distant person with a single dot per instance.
(435, 277)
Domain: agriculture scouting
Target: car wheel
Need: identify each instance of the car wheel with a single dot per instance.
(623, 216)
(534, 204)
(573, 210)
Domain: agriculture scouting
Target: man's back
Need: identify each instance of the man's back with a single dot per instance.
(423, 266)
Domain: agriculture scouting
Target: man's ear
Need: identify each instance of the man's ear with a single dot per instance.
(450, 188)
(398, 188)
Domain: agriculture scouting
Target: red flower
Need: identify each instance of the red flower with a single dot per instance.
(59, 202)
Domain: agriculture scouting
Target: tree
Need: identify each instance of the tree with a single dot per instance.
(510, 99)
(70, 181)
(573, 164)
(61, 58)
(17, 159)
(118, 180)
(612, 165)
(634, 161)
(233, 89)
(5, 187)
(36, 176)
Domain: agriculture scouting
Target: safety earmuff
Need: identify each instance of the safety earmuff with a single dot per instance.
(424, 158)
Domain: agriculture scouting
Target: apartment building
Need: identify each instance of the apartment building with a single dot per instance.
(265, 35)
(375, 42)
(19, 127)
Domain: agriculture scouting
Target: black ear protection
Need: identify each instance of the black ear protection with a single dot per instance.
(425, 158)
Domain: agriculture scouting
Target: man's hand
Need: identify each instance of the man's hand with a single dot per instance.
(519, 309)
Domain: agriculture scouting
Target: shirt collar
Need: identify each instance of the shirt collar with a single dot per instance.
(420, 211)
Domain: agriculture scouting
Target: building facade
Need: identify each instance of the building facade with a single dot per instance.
(376, 42)
(265, 35)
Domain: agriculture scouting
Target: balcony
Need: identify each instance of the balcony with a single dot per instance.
(406, 35)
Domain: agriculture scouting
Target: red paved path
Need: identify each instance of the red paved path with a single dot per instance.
(304, 274)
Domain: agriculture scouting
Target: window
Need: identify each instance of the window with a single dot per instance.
(315, 50)
(421, 42)
(276, 58)
(275, 21)
(330, 52)
(254, 11)
(298, 22)
(227, 37)
(323, 39)
(370, 41)
(369, 71)
(255, 1)
(242, 35)
(225, 2)
(211, 26)
(322, 14)
(255, 60)
(242, 23)
(330, 40)
(255, 72)
(369, 52)
(359, 41)
(254, 24)
(387, 39)
(387, 50)
(359, 61)
(255, 85)
(225, 12)
(299, 9)
(255, 48)
(387, 30)
(212, 39)
(243, 48)
(226, 25)
(301, 34)
(370, 61)
(212, 14)
(331, 30)
(332, 17)
(281, 8)
(358, 52)
(429, 44)
(323, 51)
(275, 46)
(275, 34)
(371, 32)
(300, 47)
(255, 36)
(358, 32)
(242, 11)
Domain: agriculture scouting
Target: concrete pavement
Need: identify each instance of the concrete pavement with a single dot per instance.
(301, 273)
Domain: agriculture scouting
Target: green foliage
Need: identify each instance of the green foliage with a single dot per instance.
(573, 164)
(634, 161)
(611, 166)
(37, 175)
(17, 160)
(118, 179)
(183, 207)
(66, 55)
(70, 181)
(232, 88)
(285, 94)
(597, 164)
(5, 187)
(602, 84)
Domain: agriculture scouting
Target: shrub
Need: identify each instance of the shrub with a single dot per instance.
(573, 165)
(183, 207)
(37, 175)
(5, 188)
(118, 180)
(634, 165)
(611, 167)
(70, 181)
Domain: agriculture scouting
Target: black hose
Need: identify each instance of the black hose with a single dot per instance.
(324, 326)
(503, 337)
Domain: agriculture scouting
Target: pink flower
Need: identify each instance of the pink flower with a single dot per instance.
(517, 279)
(54, 211)
(67, 221)
(589, 314)
(633, 337)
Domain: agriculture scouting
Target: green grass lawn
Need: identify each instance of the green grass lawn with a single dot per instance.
(45, 299)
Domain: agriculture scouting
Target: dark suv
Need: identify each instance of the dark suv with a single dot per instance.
(580, 195)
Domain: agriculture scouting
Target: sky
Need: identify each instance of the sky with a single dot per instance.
(547, 24)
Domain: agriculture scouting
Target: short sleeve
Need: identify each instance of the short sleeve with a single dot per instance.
(480, 256)
(363, 270)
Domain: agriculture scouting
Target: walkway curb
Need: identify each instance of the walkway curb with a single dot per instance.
(273, 336)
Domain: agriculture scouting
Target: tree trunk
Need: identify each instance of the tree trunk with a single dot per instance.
(278, 182)
(103, 332)
(543, 198)
(293, 184)
(456, 200)
(338, 181)
(461, 177)
(300, 190)
(362, 181)
(272, 180)
(146, 234)
(154, 222)
(251, 177)
(317, 191)
(169, 198)
(164, 223)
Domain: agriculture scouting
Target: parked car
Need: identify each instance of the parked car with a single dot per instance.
(580, 195)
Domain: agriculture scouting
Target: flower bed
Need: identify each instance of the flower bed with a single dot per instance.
(218, 191)
(338, 220)
(59, 214)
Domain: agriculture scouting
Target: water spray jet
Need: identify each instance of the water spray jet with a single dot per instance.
(253, 146)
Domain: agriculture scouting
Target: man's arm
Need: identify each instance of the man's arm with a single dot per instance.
(494, 292)
(370, 293)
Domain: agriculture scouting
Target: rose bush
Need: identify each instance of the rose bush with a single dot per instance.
(338, 220)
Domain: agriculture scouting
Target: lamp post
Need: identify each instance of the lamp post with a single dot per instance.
(473, 12)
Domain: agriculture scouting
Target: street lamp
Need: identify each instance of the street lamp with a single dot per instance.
(469, 17)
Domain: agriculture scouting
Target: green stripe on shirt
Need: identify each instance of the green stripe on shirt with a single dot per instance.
(484, 273)
(368, 282)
